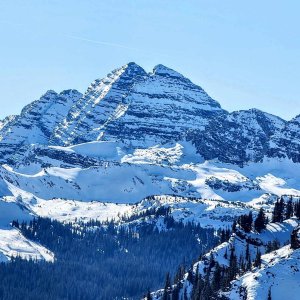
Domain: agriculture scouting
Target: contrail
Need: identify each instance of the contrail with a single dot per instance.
(100, 42)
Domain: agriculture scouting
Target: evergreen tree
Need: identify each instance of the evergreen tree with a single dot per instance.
(197, 288)
(245, 221)
(207, 291)
(216, 279)
(289, 211)
(269, 294)
(175, 293)
(148, 297)
(278, 211)
(185, 297)
(190, 276)
(233, 265)
(225, 254)
(250, 221)
(295, 243)
(282, 208)
(234, 226)
(297, 210)
(167, 287)
(257, 261)
(222, 239)
(179, 274)
(241, 265)
(260, 221)
(247, 254)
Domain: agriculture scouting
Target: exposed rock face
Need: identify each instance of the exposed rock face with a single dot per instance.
(36, 122)
(138, 108)
(143, 109)
(289, 141)
(239, 137)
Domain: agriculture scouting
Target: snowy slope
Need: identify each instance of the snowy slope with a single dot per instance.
(280, 273)
(85, 172)
(12, 242)
(279, 268)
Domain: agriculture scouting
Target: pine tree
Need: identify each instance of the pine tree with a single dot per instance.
(278, 210)
(167, 287)
(250, 221)
(297, 210)
(216, 280)
(149, 297)
(289, 211)
(245, 221)
(247, 255)
(233, 266)
(185, 297)
(295, 243)
(225, 254)
(260, 221)
(281, 209)
(241, 265)
(175, 293)
(197, 288)
(179, 274)
(269, 294)
(257, 261)
(234, 226)
(190, 276)
(207, 291)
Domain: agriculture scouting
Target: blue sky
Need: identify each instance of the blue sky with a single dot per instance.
(243, 53)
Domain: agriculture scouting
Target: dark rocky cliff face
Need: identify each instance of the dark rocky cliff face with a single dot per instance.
(143, 109)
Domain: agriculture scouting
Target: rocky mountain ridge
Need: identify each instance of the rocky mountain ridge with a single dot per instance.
(143, 109)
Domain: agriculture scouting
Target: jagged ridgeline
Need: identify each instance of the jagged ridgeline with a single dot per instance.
(144, 109)
(145, 179)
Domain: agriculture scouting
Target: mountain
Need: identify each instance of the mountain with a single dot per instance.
(277, 270)
(146, 150)
(279, 276)
(36, 122)
(143, 109)
(137, 108)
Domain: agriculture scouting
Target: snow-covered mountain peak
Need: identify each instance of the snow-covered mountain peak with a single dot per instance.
(147, 109)
(296, 119)
(165, 71)
(49, 93)
(135, 69)
(36, 121)
(70, 93)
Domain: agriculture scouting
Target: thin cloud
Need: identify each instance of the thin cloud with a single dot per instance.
(101, 42)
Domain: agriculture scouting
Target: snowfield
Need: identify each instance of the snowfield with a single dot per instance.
(13, 244)
(57, 189)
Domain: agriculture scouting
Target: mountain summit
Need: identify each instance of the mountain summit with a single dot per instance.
(143, 109)
(138, 108)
